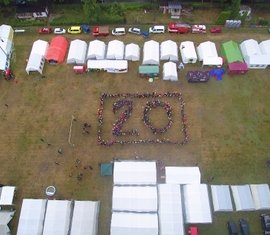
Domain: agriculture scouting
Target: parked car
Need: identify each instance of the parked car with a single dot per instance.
(157, 29)
(75, 29)
(265, 220)
(134, 31)
(198, 28)
(45, 30)
(216, 29)
(244, 227)
(86, 28)
(118, 31)
(59, 31)
(100, 31)
(232, 228)
(178, 28)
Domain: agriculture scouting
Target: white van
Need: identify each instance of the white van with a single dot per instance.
(157, 29)
(118, 31)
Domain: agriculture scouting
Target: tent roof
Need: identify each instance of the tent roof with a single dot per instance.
(170, 71)
(265, 47)
(132, 52)
(261, 196)
(218, 61)
(232, 51)
(207, 49)
(146, 69)
(35, 63)
(182, 175)
(221, 198)
(197, 206)
(187, 50)
(168, 50)
(57, 49)
(6, 217)
(237, 66)
(115, 50)
(151, 52)
(134, 198)
(39, 47)
(170, 210)
(7, 195)
(250, 47)
(107, 64)
(85, 218)
(96, 50)
(242, 198)
(135, 173)
(6, 42)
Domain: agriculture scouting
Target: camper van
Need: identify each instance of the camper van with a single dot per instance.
(118, 31)
(157, 29)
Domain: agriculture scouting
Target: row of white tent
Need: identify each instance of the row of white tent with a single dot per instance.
(6, 45)
(58, 217)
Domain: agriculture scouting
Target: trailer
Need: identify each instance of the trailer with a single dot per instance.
(148, 71)
(178, 27)
(100, 31)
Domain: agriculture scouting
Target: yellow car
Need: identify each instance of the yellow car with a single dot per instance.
(75, 29)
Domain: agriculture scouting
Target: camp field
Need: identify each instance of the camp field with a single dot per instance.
(228, 126)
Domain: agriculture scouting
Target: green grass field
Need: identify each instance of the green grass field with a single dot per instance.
(228, 127)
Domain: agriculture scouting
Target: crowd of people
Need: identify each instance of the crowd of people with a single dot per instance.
(156, 102)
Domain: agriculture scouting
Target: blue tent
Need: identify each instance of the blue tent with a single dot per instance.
(217, 72)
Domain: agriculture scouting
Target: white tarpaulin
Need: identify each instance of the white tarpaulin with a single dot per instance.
(6, 43)
(77, 52)
(197, 206)
(151, 53)
(261, 196)
(85, 218)
(134, 223)
(96, 50)
(188, 52)
(5, 217)
(134, 198)
(57, 217)
(206, 49)
(7, 195)
(182, 175)
(221, 198)
(132, 52)
(135, 173)
(265, 47)
(110, 66)
(242, 196)
(168, 51)
(115, 50)
(170, 210)
(217, 61)
(32, 217)
(170, 71)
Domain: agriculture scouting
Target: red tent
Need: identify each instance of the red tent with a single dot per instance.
(57, 50)
(237, 68)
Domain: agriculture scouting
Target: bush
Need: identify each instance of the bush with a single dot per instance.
(223, 16)
(263, 22)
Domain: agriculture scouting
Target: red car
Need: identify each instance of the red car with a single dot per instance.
(45, 30)
(216, 30)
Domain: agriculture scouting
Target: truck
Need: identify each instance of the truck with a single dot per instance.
(100, 31)
(178, 27)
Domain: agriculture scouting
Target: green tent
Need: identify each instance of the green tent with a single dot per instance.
(106, 169)
(231, 51)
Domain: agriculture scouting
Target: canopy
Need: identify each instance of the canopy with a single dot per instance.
(265, 47)
(134, 198)
(207, 49)
(261, 196)
(85, 218)
(132, 52)
(77, 52)
(151, 53)
(57, 217)
(115, 50)
(149, 70)
(5, 217)
(197, 206)
(135, 173)
(134, 223)
(168, 51)
(188, 52)
(170, 210)
(96, 50)
(110, 66)
(217, 61)
(32, 217)
(221, 198)
(6, 42)
(182, 175)
(231, 51)
(242, 198)
(170, 71)
(57, 50)
(7, 195)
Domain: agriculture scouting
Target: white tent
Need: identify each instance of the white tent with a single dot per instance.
(242, 198)
(57, 218)
(206, 49)
(96, 50)
(151, 53)
(134, 198)
(197, 206)
(221, 198)
(253, 56)
(85, 218)
(170, 210)
(168, 51)
(135, 173)
(5, 217)
(261, 196)
(188, 52)
(115, 50)
(265, 47)
(77, 52)
(36, 59)
(132, 52)
(6, 45)
(134, 223)
(7, 195)
(110, 66)
(170, 71)
(32, 217)
(182, 175)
